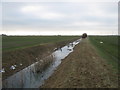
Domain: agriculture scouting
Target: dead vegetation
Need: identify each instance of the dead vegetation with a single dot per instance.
(42, 64)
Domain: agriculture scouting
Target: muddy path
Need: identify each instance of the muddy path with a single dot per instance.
(83, 68)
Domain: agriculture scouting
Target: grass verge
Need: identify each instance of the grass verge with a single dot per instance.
(108, 49)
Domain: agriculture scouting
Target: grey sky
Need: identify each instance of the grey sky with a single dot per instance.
(53, 18)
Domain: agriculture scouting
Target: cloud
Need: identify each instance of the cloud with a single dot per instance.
(41, 12)
(60, 1)
(86, 24)
(57, 17)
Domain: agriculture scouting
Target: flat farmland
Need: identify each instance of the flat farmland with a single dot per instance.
(92, 64)
(107, 47)
(18, 42)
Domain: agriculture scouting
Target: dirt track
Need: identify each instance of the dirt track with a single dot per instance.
(83, 68)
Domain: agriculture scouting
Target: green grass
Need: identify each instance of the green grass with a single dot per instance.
(108, 49)
(18, 42)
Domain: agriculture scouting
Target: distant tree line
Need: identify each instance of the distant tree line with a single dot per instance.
(3, 35)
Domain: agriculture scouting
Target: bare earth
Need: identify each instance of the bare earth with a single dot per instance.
(83, 68)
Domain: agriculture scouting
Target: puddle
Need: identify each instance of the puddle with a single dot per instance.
(27, 78)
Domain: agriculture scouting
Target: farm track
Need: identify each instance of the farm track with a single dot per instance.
(83, 68)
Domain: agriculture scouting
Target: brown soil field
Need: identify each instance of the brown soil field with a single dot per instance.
(83, 68)
(27, 56)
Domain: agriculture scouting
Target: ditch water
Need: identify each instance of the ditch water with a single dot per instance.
(27, 78)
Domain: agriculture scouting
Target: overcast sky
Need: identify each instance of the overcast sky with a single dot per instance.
(59, 18)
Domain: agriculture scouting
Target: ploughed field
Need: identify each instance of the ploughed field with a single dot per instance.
(18, 42)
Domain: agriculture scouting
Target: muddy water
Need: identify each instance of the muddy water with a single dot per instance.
(28, 78)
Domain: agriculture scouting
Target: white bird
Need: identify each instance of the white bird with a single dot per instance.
(2, 71)
(101, 42)
(12, 67)
(15, 65)
(20, 64)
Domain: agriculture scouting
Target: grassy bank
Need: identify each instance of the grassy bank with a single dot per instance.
(18, 42)
(107, 47)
